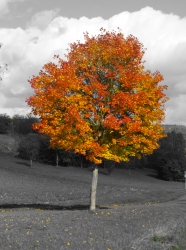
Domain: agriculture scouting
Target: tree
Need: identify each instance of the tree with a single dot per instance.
(169, 159)
(23, 124)
(5, 123)
(29, 147)
(100, 102)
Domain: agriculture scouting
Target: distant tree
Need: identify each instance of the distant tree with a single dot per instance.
(169, 160)
(174, 142)
(29, 147)
(43, 153)
(5, 123)
(23, 124)
(100, 102)
(170, 167)
(46, 155)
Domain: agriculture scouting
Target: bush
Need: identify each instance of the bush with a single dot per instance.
(171, 169)
(169, 159)
(170, 165)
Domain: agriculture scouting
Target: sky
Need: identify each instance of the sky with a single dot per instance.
(33, 31)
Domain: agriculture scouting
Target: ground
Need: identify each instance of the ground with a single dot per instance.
(47, 207)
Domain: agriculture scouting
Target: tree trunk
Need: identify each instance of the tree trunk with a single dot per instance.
(81, 161)
(57, 159)
(129, 171)
(93, 189)
(30, 162)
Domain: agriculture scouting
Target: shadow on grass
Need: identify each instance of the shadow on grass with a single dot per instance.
(155, 176)
(103, 172)
(49, 207)
(27, 164)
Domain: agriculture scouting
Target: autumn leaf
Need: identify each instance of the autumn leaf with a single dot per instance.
(100, 101)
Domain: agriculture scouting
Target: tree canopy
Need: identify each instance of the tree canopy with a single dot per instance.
(100, 101)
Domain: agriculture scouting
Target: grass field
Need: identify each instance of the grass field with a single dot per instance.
(46, 207)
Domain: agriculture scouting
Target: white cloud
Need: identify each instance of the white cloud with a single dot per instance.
(42, 19)
(164, 36)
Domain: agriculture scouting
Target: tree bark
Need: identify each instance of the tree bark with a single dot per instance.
(57, 159)
(129, 171)
(93, 189)
(81, 161)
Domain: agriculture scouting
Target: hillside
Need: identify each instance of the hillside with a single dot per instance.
(177, 128)
(9, 144)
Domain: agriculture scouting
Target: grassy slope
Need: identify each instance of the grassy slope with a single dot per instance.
(151, 225)
(9, 144)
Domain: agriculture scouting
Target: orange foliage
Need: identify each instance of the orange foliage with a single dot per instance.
(100, 101)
